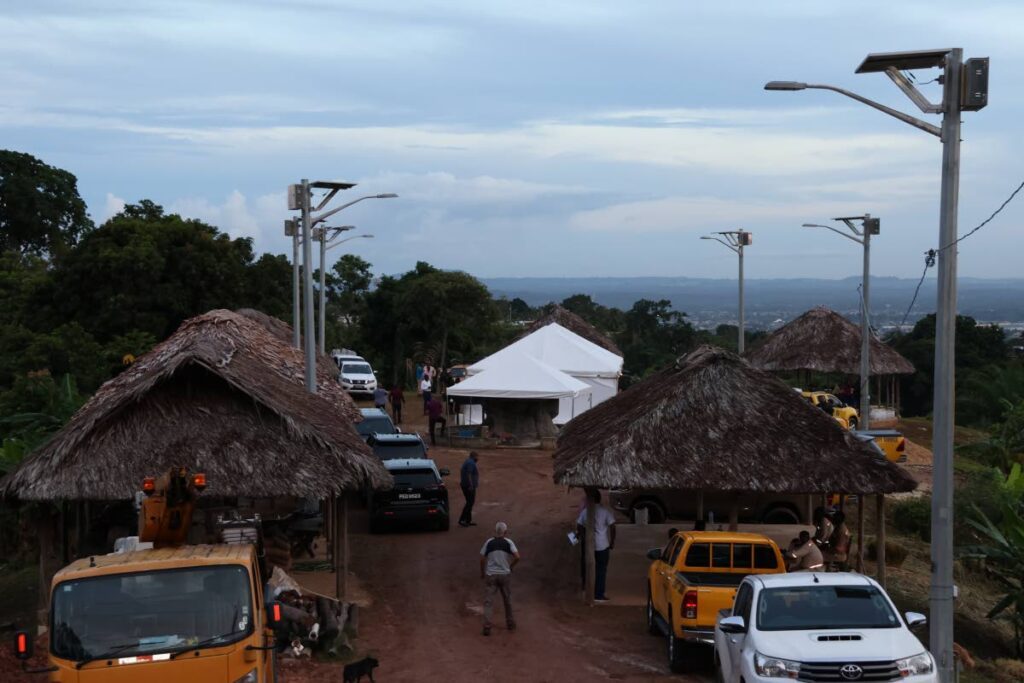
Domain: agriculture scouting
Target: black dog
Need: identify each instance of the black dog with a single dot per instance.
(355, 671)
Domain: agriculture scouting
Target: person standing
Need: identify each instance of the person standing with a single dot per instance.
(380, 398)
(469, 481)
(435, 415)
(425, 391)
(604, 542)
(497, 558)
(397, 401)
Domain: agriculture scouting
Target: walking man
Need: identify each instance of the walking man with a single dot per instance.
(380, 398)
(397, 401)
(469, 481)
(497, 558)
(604, 542)
(435, 413)
(425, 390)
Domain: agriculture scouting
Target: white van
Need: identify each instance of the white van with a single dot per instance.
(356, 376)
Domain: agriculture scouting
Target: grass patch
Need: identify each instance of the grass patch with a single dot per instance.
(19, 594)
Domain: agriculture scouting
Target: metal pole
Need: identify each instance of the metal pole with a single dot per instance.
(296, 298)
(941, 597)
(740, 342)
(323, 290)
(865, 333)
(307, 261)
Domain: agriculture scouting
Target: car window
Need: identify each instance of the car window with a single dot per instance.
(764, 557)
(742, 556)
(669, 547)
(416, 479)
(699, 555)
(720, 555)
(824, 607)
(400, 450)
(741, 608)
(675, 552)
(356, 369)
(375, 425)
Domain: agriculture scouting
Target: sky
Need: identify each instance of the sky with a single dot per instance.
(567, 138)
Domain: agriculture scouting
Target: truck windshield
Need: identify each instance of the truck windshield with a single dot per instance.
(375, 425)
(399, 450)
(151, 612)
(805, 608)
(356, 369)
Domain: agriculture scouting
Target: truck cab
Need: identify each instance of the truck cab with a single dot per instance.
(694, 577)
(191, 613)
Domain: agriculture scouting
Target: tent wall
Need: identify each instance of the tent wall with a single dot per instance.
(601, 389)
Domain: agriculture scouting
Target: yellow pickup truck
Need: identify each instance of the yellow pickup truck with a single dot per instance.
(844, 414)
(694, 577)
(890, 441)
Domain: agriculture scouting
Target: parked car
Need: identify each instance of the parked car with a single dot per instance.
(695, 577)
(375, 421)
(357, 377)
(419, 495)
(662, 504)
(457, 373)
(891, 443)
(818, 627)
(844, 414)
(397, 446)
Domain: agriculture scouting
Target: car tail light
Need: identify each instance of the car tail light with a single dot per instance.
(901, 446)
(689, 606)
(149, 486)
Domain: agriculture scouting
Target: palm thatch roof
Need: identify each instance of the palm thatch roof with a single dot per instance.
(821, 340)
(222, 396)
(713, 422)
(553, 313)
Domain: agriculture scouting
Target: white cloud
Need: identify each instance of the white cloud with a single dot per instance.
(447, 188)
(234, 215)
(113, 206)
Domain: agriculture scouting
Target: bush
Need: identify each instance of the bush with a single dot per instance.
(895, 555)
(984, 489)
(913, 517)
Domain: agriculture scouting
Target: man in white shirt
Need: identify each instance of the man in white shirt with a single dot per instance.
(425, 390)
(497, 558)
(604, 541)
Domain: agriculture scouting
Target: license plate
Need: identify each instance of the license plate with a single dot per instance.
(407, 496)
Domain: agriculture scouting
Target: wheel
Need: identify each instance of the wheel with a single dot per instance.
(444, 524)
(780, 514)
(677, 659)
(652, 624)
(655, 512)
(853, 423)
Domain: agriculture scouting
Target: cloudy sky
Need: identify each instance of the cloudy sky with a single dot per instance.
(566, 137)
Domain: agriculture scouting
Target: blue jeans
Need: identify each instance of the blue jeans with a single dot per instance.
(601, 558)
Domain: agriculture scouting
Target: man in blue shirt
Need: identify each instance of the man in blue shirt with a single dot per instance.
(469, 481)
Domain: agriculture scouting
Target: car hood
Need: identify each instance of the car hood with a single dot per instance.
(354, 375)
(804, 646)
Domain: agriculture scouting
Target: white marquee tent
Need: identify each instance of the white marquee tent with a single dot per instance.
(558, 348)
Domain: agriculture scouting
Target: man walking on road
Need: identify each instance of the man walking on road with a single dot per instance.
(469, 481)
(435, 416)
(397, 401)
(604, 542)
(425, 391)
(497, 558)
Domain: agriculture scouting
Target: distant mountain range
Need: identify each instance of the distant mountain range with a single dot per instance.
(769, 302)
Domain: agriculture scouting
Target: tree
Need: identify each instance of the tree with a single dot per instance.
(520, 310)
(1004, 446)
(446, 306)
(41, 212)
(269, 286)
(654, 336)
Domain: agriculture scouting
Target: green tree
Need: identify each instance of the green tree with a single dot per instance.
(608, 320)
(654, 336)
(269, 286)
(41, 211)
(1004, 446)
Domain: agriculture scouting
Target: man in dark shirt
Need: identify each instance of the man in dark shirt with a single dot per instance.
(397, 400)
(435, 412)
(469, 481)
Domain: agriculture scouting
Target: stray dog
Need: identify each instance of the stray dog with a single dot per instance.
(355, 671)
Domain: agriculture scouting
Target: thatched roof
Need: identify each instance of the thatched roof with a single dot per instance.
(553, 313)
(713, 422)
(824, 341)
(222, 396)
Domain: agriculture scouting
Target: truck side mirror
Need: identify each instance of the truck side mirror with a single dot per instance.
(22, 645)
(733, 625)
(445, 471)
(915, 619)
(654, 554)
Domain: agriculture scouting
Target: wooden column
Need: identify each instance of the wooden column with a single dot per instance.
(344, 543)
(880, 537)
(734, 512)
(859, 564)
(589, 562)
(700, 505)
(341, 547)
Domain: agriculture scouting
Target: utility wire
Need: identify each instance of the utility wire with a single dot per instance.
(929, 256)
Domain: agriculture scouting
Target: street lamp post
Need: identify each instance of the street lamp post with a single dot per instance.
(291, 229)
(871, 226)
(735, 240)
(321, 234)
(964, 88)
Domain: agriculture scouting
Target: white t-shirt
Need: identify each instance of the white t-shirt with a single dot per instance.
(603, 520)
(425, 384)
(499, 553)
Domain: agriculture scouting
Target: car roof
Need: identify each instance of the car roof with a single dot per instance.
(726, 537)
(821, 579)
(397, 438)
(410, 464)
(372, 412)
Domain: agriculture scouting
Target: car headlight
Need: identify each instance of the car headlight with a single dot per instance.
(248, 678)
(773, 667)
(916, 665)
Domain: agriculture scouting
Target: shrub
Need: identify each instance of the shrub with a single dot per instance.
(913, 517)
(895, 555)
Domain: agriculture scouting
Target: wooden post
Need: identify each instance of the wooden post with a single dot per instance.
(700, 505)
(344, 545)
(589, 561)
(860, 533)
(809, 511)
(880, 538)
(734, 512)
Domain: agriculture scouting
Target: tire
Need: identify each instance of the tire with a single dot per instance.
(444, 524)
(652, 624)
(853, 423)
(656, 512)
(677, 651)
(375, 526)
(780, 514)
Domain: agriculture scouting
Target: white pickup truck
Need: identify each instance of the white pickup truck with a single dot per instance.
(834, 627)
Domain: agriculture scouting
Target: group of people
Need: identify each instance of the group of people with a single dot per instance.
(827, 550)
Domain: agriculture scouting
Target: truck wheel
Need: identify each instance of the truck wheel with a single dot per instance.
(652, 624)
(781, 514)
(655, 512)
(853, 423)
(677, 659)
(444, 524)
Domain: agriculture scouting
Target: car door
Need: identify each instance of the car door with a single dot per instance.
(735, 641)
(661, 580)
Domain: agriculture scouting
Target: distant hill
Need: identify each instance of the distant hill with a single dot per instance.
(712, 301)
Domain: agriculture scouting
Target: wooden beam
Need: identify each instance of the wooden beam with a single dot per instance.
(860, 533)
(589, 561)
(880, 537)
(734, 512)
(344, 544)
(700, 505)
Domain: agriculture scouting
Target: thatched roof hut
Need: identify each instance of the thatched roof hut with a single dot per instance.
(713, 422)
(553, 313)
(821, 340)
(222, 395)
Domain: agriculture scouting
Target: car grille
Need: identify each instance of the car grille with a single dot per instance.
(832, 672)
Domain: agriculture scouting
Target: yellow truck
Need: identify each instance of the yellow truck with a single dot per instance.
(844, 414)
(695, 576)
(164, 614)
(891, 442)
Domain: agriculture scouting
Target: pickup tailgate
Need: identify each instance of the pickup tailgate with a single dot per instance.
(715, 592)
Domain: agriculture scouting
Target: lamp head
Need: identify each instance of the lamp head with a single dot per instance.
(785, 85)
(386, 195)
